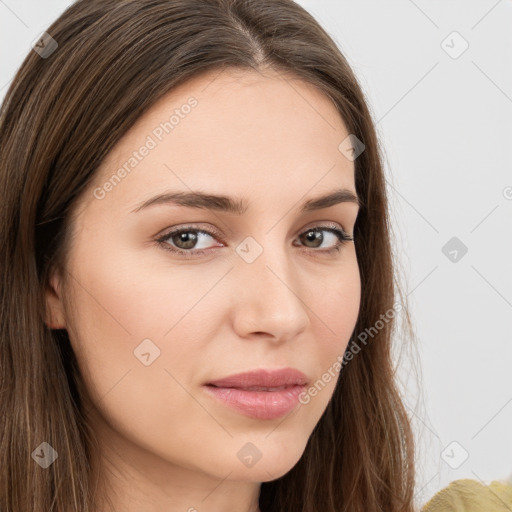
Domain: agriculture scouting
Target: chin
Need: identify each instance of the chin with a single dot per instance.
(265, 461)
(262, 473)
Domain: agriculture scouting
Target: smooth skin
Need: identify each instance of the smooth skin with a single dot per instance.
(271, 140)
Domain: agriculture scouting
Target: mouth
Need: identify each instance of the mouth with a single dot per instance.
(260, 394)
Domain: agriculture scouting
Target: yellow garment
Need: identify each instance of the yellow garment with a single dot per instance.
(467, 495)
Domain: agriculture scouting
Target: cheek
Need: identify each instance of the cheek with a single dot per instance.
(137, 377)
(336, 307)
(338, 303)
(138, 328)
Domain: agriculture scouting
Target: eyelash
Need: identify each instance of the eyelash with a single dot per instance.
(343, 238)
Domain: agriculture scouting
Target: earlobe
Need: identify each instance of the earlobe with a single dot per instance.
(54, 317)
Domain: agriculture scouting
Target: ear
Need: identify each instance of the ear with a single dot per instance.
(55, 317)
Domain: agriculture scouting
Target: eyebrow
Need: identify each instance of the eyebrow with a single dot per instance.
(236, 206)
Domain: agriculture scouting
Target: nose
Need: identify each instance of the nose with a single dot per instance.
(270, 298)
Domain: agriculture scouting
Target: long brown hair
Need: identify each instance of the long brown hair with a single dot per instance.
(62, 114)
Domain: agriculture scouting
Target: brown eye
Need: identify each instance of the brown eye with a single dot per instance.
(314, 238)
(185, 241)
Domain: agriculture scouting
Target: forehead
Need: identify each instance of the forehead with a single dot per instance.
(235, 130)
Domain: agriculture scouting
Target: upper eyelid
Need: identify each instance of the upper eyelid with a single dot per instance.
(213, 231)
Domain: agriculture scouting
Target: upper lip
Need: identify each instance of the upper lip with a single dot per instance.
(263, 378)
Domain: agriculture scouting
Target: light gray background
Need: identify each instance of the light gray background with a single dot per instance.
(445, 121)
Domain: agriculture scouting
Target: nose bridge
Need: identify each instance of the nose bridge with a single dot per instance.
(269, 287)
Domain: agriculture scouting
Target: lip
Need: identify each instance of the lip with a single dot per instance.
(235, 391)
(264, 378)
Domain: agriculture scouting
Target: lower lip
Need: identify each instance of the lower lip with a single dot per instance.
(263, 405)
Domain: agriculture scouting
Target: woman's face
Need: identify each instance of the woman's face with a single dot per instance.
(151, 327)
